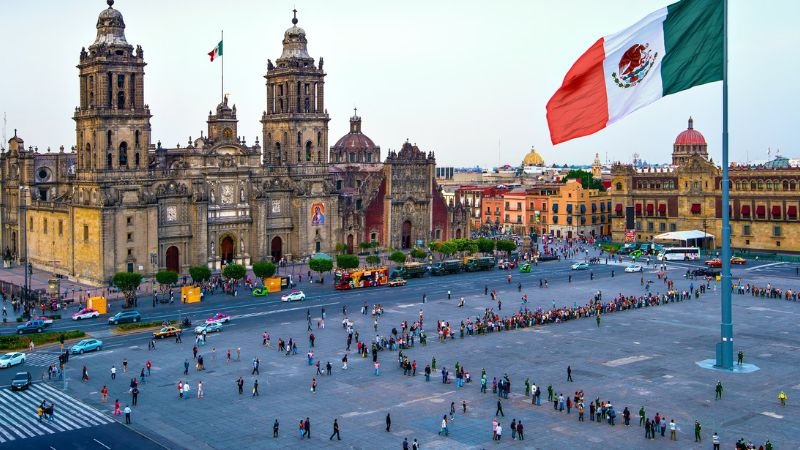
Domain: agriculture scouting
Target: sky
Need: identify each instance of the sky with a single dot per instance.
(466, 79)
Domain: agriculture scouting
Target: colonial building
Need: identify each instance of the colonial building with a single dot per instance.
(687, 196)
(117, 202)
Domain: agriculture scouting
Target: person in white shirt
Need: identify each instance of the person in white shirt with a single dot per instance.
(499, 431)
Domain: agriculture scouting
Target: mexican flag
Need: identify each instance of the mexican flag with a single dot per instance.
(216, 52)
(670, 50)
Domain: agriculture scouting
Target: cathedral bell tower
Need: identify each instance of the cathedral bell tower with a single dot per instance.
(112, 123)
(295, 123)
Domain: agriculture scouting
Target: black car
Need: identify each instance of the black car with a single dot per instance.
(31, 326)
(125, 316)
(706, 272)
(21, 381)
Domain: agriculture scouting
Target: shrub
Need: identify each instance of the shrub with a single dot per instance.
(138, 325)
(15, 341)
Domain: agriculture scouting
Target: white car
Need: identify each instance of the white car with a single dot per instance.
(208, 328)
(294, 296)
(634, 268)
(580, 266)
(86, 313)
(11, 359)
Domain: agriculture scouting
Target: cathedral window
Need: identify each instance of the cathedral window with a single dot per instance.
(30, 225)
(280, 105)
(308, 151)
(369, 157)
(137, 161)
(299, 139)
(298, 156)
(109, 89)
(132, 89)
(109, 159)
(120, 81)
(352, 157)
(60, 227)
(108, 139)
(358, 204)
(306, 105)
(137, 138)
(123, 154)
(752, 185)
(120, 100)
(319, 156)
(85, 233)
(319, 139)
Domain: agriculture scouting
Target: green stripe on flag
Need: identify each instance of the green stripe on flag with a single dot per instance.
(693, 40)
(219, 49)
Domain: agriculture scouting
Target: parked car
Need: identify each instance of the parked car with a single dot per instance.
(11, 359)
(397, 282)
(166, 332)
(86, 345)
(705, 272)
(21, 381)
(580, 266)
(294, 296)
(716, 262)
(31, 326)
(634, 268)
(738, 260)
(86, 313)
(219, 318)
(125, 316)
(208, 328)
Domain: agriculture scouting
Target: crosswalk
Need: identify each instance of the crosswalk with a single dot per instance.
(41, 359)
(18, 418)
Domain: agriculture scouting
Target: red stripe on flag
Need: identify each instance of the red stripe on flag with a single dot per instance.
(212, 53)
(580, 106)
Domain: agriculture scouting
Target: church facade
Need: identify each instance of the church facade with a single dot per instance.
(116, 202)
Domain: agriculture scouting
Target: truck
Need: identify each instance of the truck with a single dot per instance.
(410, 270)
(479, 264)
(447, 267)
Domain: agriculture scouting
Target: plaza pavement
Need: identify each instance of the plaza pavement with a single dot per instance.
(640, 357)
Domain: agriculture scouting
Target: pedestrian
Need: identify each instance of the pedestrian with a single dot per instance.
(307, 426)
(520, 435)
(117, 411)
(388, 423)
(200, 389)
(228, 357)
(569, 373)
(275, 429)
(443, 430)
(104, 393)
(715, 440)
(673, 429)
(186, 367)
(499, 410)
(626, 415)
(148, 365)
(240, 385)
(135, 395)
(740, 358)
(127, 414)
(314, 385)
(328, 368)
(255, 388)
(499, 431)
(113, 373)
(782, 397)
(335, 431)
(641, 416)
(186, 390)
(718, 390)
(85, 376)
(463, 406)
(697, 429)
(513, 427)
(302, 429)
(238, 353)
(647, 433)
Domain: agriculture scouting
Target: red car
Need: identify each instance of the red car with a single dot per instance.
(219, 318)
(716, 262)
(738, 260)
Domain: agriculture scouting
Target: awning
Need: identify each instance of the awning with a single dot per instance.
(761, 210)
(662, 208)
(776, 211)
(792, 211)
(618, 208)
(746, 210)
(696, 208)
(683, 235)
(650, 208)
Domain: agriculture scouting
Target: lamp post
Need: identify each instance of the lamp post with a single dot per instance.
(23, 220)
(704, 234)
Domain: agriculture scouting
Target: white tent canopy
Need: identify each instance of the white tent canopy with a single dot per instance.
(684, 236)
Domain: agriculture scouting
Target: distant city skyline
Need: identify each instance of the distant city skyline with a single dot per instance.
(461, 79)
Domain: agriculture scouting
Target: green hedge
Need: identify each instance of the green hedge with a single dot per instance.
(14, 342)
(138, 325)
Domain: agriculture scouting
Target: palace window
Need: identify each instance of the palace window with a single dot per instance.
(60, 227)
(44, 226)
(85, 233)
(746, 230)
(662, 227)
(130, 237)
(776, 231)
(673, 227)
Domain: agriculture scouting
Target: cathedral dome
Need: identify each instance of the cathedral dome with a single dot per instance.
(533, 159)
(690, 136)
(355, 139)
(294, 42)
(110, 28)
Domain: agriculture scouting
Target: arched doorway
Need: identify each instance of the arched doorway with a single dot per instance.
(350, 244)
(276, 249)
(405, 236)
(226, 249)
(458, 233)
(173, 260)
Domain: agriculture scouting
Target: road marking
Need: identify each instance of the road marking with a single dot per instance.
(765, 265)
(278, 311)
(626, 360)
(406, 403)
(104, 445)
(772, 414)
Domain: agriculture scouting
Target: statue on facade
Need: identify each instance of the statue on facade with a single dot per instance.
(270, 66)
(211, 196)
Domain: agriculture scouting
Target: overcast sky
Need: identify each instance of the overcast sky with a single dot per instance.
(466, 79)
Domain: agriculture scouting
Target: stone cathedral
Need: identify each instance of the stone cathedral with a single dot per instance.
(117, 202)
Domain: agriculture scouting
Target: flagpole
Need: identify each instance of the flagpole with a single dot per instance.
(222, 66)
(725, 347)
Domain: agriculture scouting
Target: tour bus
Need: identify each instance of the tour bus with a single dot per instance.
(679, 254)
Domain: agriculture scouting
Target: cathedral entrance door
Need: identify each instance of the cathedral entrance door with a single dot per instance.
(173, 260)
(277, 249)
(405, 236)
(226, 249)
(350, 244)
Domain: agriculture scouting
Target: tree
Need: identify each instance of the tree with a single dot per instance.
(264, 269)
(448, 248)
(234, 271)
(347, 261)
(485, 245)
(127, 283)
(586, 179)
(199, 273)
(341, 248)
(373, 260)
(418, 253)
(365, 245)
(166, 278)
(397, 257)
(506, 246)
(320, 265)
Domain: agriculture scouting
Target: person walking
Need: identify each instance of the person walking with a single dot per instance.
(782, 397)
(715, 441)
(443, 430)
(275, 429)
(520, 434)
(335, 431)
(200, 389)
(127, 412)
(307, 427)
(697, 429)
(255, 388)
(113, 372)
(718, 390)
(388, 423)
(186, 367)
(240, 385)
(117, 410)
(740, 358)
(104, 393)
(673, 430)
(135, 395)
(499, 410)
(641, 416)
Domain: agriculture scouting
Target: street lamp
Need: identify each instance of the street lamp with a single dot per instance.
(704, 234)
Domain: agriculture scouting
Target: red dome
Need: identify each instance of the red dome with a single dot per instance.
(354, 141)
(690, 136)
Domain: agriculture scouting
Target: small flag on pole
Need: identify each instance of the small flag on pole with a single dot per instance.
(216, 52)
